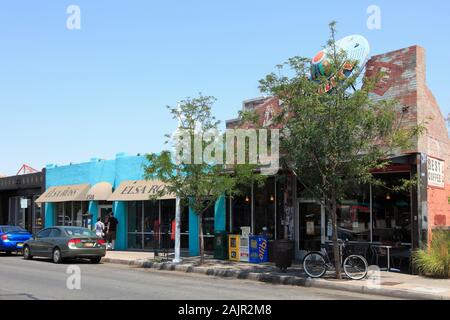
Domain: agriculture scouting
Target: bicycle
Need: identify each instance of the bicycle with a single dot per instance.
(317, 263)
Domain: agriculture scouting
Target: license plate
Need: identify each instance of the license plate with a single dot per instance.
(19, 245)
(88, 245)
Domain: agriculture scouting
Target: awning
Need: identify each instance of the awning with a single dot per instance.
(64, 193)
(139, 190)
(99, 192)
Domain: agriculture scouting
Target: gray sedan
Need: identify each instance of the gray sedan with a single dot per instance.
(59, 243)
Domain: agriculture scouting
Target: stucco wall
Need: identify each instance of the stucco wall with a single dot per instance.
(113, 171)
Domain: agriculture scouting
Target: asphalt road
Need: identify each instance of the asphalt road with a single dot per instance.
(41, 279)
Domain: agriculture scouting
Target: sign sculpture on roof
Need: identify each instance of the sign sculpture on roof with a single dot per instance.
(357, 50)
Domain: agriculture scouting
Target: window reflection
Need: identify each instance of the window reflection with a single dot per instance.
(391, 210)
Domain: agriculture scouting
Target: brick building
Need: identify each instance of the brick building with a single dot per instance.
(405, 81)
(371, 215)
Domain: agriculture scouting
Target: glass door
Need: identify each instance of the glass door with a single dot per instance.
(104, 211)
(38, 218)
(310, 226)
(19, 209)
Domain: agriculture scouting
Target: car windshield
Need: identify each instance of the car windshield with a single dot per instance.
(77, 232)
(11, 229)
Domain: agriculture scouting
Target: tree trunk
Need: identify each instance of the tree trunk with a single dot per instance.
(202, 241)
(336, 250)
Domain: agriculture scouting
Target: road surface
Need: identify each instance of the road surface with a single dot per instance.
(40, 279)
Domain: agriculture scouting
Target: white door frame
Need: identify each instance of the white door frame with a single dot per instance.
(104, 206)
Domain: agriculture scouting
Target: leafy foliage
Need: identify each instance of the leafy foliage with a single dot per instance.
(198, 184)
(333, 141)
(435, 261)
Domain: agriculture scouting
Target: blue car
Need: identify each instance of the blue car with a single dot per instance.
(12, 238)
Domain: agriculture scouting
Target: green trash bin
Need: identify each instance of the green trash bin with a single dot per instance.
(221, 245)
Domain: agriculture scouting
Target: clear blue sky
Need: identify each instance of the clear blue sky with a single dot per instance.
(67, 96)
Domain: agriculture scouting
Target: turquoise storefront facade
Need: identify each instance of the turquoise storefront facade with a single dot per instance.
(123, 168)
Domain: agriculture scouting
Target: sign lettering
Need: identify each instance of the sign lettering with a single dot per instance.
(436, 173)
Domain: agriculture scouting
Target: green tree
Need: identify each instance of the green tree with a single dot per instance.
(333, 139)
(199, 184)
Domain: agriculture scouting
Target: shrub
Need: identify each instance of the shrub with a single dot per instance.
(435, 261)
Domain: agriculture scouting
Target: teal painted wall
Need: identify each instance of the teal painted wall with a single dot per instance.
(194, 245)
(120, 212)
(113, 171)
(220, 223)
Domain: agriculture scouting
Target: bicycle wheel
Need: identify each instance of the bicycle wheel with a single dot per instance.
(355, 267)
(314, 265)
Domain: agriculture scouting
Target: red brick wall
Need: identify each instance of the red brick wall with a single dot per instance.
(405, 81)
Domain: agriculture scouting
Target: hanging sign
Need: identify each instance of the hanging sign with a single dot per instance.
(24, 203)
(357, 50)
(435, 172)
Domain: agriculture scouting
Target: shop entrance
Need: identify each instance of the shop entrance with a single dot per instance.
(104, 211)
(20, 212)
(309, 227)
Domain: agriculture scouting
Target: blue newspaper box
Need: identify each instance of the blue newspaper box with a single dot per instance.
(259, 249)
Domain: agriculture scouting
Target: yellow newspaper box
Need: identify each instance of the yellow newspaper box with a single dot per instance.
(234, 247)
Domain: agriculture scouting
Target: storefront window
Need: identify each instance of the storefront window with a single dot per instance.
(135, 234)
(353, 216)
(281, 195)
(390, 213)
(309, 226)
(150, 225)
(184, 227)
(72, 214)
(264, 209)
(38, 217)
(391, 210)
(241, 212)
(208, 229)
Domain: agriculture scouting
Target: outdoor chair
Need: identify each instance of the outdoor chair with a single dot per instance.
(399, 256)
(378, 254)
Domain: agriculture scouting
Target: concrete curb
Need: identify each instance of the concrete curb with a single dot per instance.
(278, 279)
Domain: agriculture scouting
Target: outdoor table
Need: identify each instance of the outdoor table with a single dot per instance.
(388, 254)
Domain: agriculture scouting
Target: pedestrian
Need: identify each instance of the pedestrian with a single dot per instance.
(100, 228)
(111, 231)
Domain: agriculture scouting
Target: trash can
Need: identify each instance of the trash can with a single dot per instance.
(259, 249)
(283, 252)
(234, 247)
(221, 245)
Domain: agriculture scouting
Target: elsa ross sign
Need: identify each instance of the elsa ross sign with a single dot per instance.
(357, 50)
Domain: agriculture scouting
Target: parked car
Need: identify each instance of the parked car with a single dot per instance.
(59, 243)
(12, 238)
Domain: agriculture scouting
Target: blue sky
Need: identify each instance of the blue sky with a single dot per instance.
(69, 95)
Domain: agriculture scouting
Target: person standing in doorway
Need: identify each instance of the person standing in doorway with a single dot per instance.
(111, 231)
(100, 228)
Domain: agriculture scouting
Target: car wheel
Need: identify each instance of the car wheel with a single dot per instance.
(8, 253)
(27, 253)
(56, 256)
(96, 260)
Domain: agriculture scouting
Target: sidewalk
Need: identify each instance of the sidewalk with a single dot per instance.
(389, 283)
